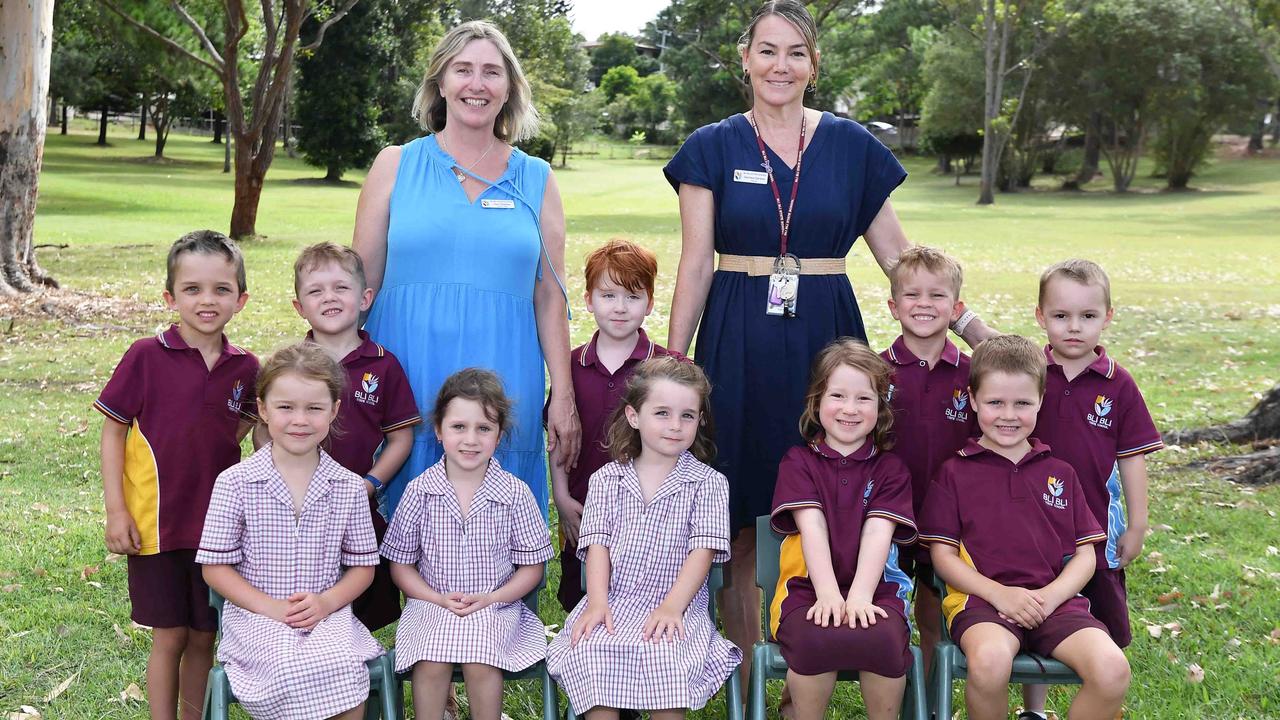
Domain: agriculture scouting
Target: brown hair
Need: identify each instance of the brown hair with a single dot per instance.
(1009, 354)
(317, 256)
(478, 385)
(1085, 272)
(208, 242)
(518, 119)
(931, 260)
(631, 266)
(793, 12)
(307, 360)
(854, 353)
(623, 441)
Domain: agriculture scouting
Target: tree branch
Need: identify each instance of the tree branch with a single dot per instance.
(338, 15)
(215, 65)
(205, 42)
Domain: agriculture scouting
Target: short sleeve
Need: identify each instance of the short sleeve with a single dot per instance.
(1086, 528)
(691, 164)
(940, 516)
(530, 537)
(401, 410)
(249, 408)
(221, 543)
(599, 511)
(709, 526)
(1137, 434)
(403, 541)
(881, 175)
(891, 498)
(796, 488)
(121, 399)
(359, 545)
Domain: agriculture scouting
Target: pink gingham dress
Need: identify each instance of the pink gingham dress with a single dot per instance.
(276, 671)
(647, 545)
(475, 554)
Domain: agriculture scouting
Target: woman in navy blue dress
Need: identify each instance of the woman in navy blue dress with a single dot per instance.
(759, 362)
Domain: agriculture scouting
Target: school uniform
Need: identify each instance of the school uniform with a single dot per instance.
(648, 543)
(849, 490)
(933, 417)
(1090, 422)
(471, 555)
(1016, 524)
(597, 394)
(277, 671)
(183, 419)
(377, 401)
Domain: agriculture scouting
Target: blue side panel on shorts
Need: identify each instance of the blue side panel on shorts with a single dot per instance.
(894, 574)
(1116, 523)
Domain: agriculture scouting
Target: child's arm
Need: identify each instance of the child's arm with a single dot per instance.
(395, 450)
(667, 620)
(598, 568)
(307, 609)
(567, 509)
(1025, 607)
(815, 544)
(406, 578)
(523, 580)
(231, 585)
(1133, 478)
(122, 534)
(873, 553)
(1073, 577)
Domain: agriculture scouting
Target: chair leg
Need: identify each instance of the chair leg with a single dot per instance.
(942, 682)
(219, 694)
(550, 700)
(915, 705)
(733, 696)
(758, 699)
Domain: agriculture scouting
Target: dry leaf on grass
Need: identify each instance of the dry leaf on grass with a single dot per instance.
(88, 572)
(133, 692)
(26, 712)
(1275, 636)
(61, 688)
(120, 635)
(10, 588)
(113, 557)
(1195, 674)
(1272, 551)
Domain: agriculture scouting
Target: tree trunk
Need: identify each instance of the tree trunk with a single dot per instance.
(64, 116)
(26, 35)
(219, 124)
(226, 155)
(333, 174)
(1260, 127)
(142, 118)
(1259, 428)
(994, 65)
(102, 125)
(1092, 151)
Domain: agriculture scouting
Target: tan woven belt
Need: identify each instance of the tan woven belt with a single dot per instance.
(758, 265)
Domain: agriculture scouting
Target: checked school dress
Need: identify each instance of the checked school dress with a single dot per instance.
(648, 543)
(473, 554)
(276, 671)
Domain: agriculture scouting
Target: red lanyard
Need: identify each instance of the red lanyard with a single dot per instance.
(783, 222)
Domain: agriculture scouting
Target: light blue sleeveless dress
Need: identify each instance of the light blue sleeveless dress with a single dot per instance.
(458, 293)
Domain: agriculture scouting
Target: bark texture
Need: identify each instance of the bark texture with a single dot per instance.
(1260, 429)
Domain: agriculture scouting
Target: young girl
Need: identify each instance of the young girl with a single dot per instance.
(841, 602)
(467, 543)
(281, 528)
(654, 521)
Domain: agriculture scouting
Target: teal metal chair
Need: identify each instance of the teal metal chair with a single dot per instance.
(537, 671)
(949, 665)
(733, 686)
(218, 697)
(767, 662)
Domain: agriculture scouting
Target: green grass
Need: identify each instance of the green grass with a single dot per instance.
(1194, 278)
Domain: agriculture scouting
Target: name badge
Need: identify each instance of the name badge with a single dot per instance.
(755, 177)
(497, 204)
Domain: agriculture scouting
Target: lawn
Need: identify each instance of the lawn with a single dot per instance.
(1198, 322)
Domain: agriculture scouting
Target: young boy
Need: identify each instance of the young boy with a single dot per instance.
(379, 408)
(1009, 530)
(620, 281)
(1094, 418)
(932, 414)
(177, 407)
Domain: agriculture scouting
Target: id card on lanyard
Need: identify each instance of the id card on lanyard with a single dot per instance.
(784, 281)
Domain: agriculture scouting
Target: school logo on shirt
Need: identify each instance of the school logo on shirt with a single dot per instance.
(866, 494)
(1101, 409)
(369, 383)
(235, 402)
(1053, 498)
(958, 412)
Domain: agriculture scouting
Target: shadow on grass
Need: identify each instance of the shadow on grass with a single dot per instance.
(623, 223)
(321, 182)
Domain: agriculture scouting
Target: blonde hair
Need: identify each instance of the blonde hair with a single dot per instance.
(623, 441)
(1085, 272)
(314, 257)
(304, 359)
(931, 260)
(518, 119)
(855, 354)
(1009, 354)
(793, 12)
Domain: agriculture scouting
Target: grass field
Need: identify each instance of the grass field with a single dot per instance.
(1198, 322)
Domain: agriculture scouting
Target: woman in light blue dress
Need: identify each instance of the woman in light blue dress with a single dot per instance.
(462, 237)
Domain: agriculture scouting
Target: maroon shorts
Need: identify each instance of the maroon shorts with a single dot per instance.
(570, 592)
(1070, 618)
(379, 605)
(1109, 602)
(167, 590)
(813, 650)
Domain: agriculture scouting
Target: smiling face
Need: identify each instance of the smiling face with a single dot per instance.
(619, 312)
(468, 434)
(668, 419)
(1073, 315)
(475, 85)
(330, 299)
(297, 412)
(848, 409)
(205, 294)
(925, 303)
(778, 62)
(1007, 404)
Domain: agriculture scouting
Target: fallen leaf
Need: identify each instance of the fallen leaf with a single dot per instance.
(1155, 556)
(11, 587)
(95, 583)
(39, 572)
(1169, 597)
(133, 692)
(1195, 674)
(62, 631)
(1161, 528)
(1272, 551)
(113, 557)
(26, 712)
(1155, 631)
(40, 507)
(1275, 636)
(61, 688)
(1235, 642)
(88, 572)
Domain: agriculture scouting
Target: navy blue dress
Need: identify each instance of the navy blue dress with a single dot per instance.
(759, 364)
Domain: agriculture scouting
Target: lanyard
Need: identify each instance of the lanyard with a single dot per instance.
(783, 222)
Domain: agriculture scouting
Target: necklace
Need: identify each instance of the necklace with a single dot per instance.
(462, 174)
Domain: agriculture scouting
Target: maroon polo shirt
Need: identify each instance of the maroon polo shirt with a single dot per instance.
(597, 393)
(848, 490)
(1093, 420)
(378, 400)
(183, 420)
(1012, 522)
(933, 416)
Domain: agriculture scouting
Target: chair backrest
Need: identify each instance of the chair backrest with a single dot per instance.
(768, 550)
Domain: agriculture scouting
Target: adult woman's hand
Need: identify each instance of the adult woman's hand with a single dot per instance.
(564, 430)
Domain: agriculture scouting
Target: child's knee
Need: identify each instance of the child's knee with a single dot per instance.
(989, 663)
(433, 672)
(169, 641)
(1108, 671)
(200, 641)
